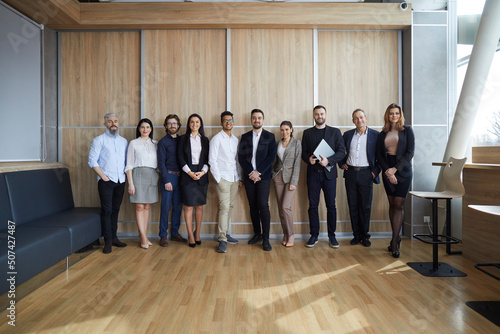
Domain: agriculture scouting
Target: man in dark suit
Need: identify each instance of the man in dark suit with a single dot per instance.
(360, 172)
(256, 155)
(319, 176)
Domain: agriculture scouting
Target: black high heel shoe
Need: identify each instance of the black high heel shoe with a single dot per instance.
(198, 242)
(390, 246)
(395, 253)
(190, 244)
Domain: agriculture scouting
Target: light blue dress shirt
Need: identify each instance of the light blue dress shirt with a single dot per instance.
(109, 153)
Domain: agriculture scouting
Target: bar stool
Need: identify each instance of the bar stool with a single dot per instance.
(453, 189)
(488, 309)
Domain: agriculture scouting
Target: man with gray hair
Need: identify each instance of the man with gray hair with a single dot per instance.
(361, 171)
(107, 158)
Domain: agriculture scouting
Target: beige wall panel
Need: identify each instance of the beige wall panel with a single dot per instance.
(100, 74)
(357, 69)
(277, 80)
(185, 74)
(271, 69)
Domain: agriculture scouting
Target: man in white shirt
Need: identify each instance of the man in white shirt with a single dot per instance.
(361, 171)
(107, 159)
(225, 170)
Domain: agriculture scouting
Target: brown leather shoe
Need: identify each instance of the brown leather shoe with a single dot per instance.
(164, 242)
(178, 238)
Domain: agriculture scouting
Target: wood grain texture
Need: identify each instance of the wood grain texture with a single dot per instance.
(244, 15)
(352, 289)
(49, 12)
(272, 70)
(357, 69)
(70, 14)
(19, 166)
(479, 230)
(100, 74)
(185, 73)
(486, 154)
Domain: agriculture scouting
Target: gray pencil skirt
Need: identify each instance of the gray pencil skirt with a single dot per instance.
(146, 185)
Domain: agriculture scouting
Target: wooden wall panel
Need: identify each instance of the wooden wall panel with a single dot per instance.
(185, 74)
(100, 74)
(479, 230)
(486, 154)
(272, 70)
(357, 69)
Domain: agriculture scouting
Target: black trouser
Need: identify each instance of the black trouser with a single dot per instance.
(359, 190)
(111, 195)
(258, 199)
(317, 181)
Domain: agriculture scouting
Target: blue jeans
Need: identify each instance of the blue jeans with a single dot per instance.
(170, 199)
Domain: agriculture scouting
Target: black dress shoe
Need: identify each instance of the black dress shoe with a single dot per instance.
(192, 245)
(118, 243)
(395, 254)
(354, 241)
(366, 243)
(255, 239)
(266, 245)
(107, 248)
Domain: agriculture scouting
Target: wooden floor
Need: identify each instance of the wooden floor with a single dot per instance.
(177, 289)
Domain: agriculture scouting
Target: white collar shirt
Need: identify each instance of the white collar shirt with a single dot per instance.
(255, 143)
(142, 153)
(223, 157)
(195, 142)
(357, 151)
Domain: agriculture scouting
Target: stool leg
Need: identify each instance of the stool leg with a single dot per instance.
(448, 228)
(435, 263)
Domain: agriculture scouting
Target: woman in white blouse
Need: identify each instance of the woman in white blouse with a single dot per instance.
(192, 155)
(286, 171)
(142, 176)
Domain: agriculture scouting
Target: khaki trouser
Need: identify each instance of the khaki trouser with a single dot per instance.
(284, 197)
(227, 195)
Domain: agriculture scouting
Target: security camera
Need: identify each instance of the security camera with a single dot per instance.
(403, 6)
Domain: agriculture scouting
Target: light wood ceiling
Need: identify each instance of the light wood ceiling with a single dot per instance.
(73, 15)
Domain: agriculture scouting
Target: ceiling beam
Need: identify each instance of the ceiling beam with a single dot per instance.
(69, 15)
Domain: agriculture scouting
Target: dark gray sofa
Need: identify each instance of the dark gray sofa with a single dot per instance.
(48, 227)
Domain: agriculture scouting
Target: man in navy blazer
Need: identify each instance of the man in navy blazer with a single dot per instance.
(319, 177)
(361, 170)
(256, 155)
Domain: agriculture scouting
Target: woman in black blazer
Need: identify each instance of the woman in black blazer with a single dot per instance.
(192, 155)
(395, 149)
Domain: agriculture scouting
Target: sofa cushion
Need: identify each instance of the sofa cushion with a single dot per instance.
(5, 211)
(36, 249)
(38, 193)
(84, 225)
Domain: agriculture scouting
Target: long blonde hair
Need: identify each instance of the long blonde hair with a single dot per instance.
(387, 123)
